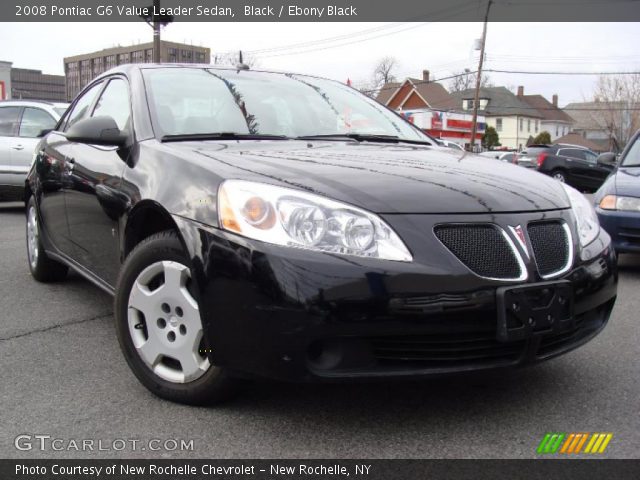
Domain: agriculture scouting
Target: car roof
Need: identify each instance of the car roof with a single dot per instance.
(33, 103)
(134, 67)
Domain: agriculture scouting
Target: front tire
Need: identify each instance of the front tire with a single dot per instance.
(42, 268)
(159, 326)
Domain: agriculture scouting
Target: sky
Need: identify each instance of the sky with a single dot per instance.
(442, 48)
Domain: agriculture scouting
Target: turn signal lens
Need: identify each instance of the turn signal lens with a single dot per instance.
(608, 202)
(258, 213)
(226, 214)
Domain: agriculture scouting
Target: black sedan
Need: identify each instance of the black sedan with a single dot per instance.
(257, 224)
(618, 200)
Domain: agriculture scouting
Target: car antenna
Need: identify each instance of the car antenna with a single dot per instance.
(241, 65)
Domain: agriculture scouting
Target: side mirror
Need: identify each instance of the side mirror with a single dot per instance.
(607, 159)
(97, 131)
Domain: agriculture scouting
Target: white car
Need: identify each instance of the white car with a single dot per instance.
(509, 157)
(22, 123)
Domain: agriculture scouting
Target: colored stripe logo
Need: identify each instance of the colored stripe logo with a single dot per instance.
(573, 443)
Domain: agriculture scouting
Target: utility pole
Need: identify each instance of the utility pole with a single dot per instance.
(156, 32)
(474, 127)
(156, 20)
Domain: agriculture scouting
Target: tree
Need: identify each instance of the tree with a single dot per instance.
(543, 138)
(490, 138)
(466, 80)
(617, 100)
(383, 71)
(231, 59)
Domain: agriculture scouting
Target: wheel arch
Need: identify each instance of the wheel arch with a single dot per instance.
(145, 219)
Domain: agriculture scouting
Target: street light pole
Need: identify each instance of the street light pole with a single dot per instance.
(474, 126)
(156, 32)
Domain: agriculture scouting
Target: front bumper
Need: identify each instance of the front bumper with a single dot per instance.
(623, 227)
(290, 314)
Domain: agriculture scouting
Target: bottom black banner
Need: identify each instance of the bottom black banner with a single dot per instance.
(318, 469)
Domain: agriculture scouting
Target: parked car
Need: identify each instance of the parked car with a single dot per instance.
(252, 223)
(570, 164)
(618, 199)
(449, 144)
(22, 122)
(510, 157)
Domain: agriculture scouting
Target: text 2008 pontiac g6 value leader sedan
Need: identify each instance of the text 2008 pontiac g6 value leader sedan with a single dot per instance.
(285, 226)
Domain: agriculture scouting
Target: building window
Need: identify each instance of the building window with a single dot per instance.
(172, 55)
(469, 104)
(111, 61)
(521, 124)
(149, 55)
(537, 124)
(498, 124)
(528, 125)
(138, 56)
(200, 57)
(557, 131)
(124, 58)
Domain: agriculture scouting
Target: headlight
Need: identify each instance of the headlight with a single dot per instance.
(586, 218)
(294, 218)
(614, 202)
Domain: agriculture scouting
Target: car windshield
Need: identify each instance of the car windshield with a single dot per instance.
(60, 110)
(191, 101)
(632, 158)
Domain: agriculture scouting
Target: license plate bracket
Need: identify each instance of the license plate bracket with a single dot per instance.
(534, 309)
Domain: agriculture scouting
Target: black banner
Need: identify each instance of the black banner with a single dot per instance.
(318, 469)
(321, 10)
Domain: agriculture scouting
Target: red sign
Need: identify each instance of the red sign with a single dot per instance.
(459, 124)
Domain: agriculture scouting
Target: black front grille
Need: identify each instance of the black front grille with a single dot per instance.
(444, 350)
(482, 248)
(550, 246)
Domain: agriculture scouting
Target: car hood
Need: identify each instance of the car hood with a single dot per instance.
(383, 178)
(628, 182)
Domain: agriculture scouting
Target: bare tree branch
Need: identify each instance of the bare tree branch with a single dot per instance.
(466, 81)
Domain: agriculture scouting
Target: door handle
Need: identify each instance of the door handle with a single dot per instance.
(18, 147)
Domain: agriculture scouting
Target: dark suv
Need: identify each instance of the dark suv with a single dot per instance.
(570, 164)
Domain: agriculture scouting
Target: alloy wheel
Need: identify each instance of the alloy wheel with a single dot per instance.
(164, 323)
(559, 176)
(33, 237)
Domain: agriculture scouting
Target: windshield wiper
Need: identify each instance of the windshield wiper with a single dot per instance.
(364, 137)
(221, 136)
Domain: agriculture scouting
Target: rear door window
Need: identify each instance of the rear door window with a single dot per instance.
(34, 121)
(573, 153)
(9, 121)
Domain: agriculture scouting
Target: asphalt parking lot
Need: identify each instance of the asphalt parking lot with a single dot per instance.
(62, 374)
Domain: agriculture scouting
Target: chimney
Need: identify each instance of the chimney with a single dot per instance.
(425, 75)
(554, 100)
(520, 91)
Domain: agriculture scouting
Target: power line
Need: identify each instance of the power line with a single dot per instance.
(435, 16)
(560, 73)
(324, 40)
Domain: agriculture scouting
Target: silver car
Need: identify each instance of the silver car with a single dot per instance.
(22, 122)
